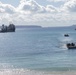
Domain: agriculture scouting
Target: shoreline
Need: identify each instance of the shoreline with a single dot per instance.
(33, 72)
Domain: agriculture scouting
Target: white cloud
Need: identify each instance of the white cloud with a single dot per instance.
(70, 6)
(1, 10)
(30, 12)
(7, 8)
(31, 5)
(51, 8)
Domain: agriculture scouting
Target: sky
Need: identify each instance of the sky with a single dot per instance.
(46, 13)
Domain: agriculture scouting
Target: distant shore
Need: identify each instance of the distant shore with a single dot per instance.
(38, 26)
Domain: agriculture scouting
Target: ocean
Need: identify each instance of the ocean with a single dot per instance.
(38, 51)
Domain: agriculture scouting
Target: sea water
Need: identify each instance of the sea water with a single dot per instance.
(38, 51)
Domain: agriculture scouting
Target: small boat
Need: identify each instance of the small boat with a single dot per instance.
(66, 35)
(71, 45)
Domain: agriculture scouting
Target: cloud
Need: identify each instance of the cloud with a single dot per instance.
(30, 12)
(31, 5)
(70, 6)
(1, 10)
(51, 8)
(7, 8)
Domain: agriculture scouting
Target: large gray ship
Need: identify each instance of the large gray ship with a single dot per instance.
(10, 28)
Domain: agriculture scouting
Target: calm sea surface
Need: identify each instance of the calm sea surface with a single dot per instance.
(37, 49)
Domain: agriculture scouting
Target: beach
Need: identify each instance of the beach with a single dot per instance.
(28, 72)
